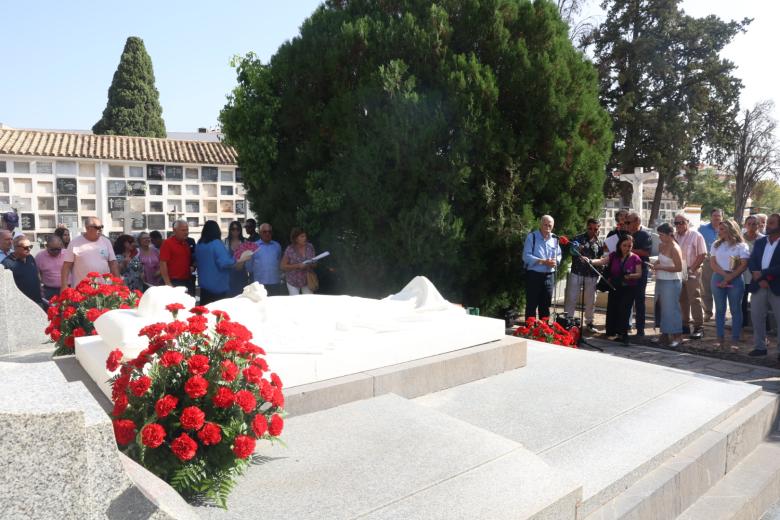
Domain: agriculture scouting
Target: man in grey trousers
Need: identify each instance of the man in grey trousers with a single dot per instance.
(764, 265)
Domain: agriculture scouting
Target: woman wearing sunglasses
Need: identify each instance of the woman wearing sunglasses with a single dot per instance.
(25, 270)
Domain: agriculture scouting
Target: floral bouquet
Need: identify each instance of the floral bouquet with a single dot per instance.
(72, 314)
(540, 330)
(192, 405)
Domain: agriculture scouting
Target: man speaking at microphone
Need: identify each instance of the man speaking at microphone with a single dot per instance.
(582, 275)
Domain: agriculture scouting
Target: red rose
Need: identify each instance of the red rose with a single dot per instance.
(254, 349)
(266, 390)
(259, 425)
(563, 240)
(152, 435)
(152, 330)
(165, 405)
(78, 332)
(276, 425)
(68, 312)
(55, 335)
(199, 310)
(174, 308)
(210, 434)
(112, 363)
(276, 381)
(171, 358)
(246, 400)
(233, 345)
(120, 405)
(229, 370)
(278, 398)
(184, 447)
(70, 342)
(139, 386)
(124, 431)
(253, 374)
(192, 418)
(198, 364)
(243, 446)
(196, 387)
(223, 398)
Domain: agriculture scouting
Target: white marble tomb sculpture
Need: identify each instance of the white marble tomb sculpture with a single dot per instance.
(309, 338)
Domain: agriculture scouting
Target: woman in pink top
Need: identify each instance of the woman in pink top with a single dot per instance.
(150, 259)
(624, 269)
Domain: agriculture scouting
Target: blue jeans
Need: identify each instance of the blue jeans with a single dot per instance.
(734, 296)
(668, 292)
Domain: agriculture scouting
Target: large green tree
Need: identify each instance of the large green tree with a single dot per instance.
(133, 106)
(671, 96)
(412, 137)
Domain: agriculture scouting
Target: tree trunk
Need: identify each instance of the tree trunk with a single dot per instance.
(659, 192)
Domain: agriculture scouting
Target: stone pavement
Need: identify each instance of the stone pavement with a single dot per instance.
(767, 378)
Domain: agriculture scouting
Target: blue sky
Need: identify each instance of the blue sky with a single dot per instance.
(58, 57)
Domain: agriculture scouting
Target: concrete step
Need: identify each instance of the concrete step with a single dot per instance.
(602, 422)
(672, 487)
(388, 457)
(747, 491)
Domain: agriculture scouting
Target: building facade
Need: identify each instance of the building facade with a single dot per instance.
(132, 184)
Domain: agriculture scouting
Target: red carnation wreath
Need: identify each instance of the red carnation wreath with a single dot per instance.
(72, 314)
(193, 404)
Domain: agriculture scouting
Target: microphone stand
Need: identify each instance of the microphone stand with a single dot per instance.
(581, 341)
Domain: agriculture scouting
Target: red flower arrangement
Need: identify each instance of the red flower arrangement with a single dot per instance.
(541, 330)
(72, 314)
(193, 404)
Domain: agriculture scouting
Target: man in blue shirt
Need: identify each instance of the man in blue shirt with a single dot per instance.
(5, 243)
(25, 271)
(710, 234)
(264, 265)
(541, 255)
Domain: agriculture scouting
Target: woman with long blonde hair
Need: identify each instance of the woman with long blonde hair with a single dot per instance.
(728, 258)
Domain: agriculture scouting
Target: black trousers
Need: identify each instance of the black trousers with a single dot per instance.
(189, 284)
(538, 293)
(619, 304)
(639, 302)
(207, 296)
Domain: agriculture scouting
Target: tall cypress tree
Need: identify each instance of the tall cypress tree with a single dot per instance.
(133, 106)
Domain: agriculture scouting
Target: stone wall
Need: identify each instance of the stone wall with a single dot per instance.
(22, 322)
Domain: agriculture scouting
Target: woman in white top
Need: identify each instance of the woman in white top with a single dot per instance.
(668, 284)
(728, 258)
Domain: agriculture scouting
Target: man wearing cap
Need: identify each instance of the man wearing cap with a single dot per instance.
(25, 271)
(87, 253)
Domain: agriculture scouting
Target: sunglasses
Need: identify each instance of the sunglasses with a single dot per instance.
(26, 248)
(55, 249)
(679, 223)
(99, 228)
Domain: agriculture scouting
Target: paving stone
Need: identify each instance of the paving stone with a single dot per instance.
(729, 368)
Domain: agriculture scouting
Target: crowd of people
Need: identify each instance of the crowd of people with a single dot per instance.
(211, 268)
(699, 274)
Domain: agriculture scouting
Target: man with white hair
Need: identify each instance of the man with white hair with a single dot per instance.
(87, 253)
(761, 222)
(694, 251)
(541, 255)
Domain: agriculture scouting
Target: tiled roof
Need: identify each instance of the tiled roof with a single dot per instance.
(113, 147)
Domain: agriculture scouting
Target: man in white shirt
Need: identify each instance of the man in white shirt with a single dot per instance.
(764, 266)
(89, 252)
(694, 251)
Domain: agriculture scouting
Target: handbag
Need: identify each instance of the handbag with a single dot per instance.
(312, 282)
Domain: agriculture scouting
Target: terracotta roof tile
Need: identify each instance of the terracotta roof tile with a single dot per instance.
(114, 147)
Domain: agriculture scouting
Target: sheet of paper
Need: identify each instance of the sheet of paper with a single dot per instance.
(318, 257)
(611, 242)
